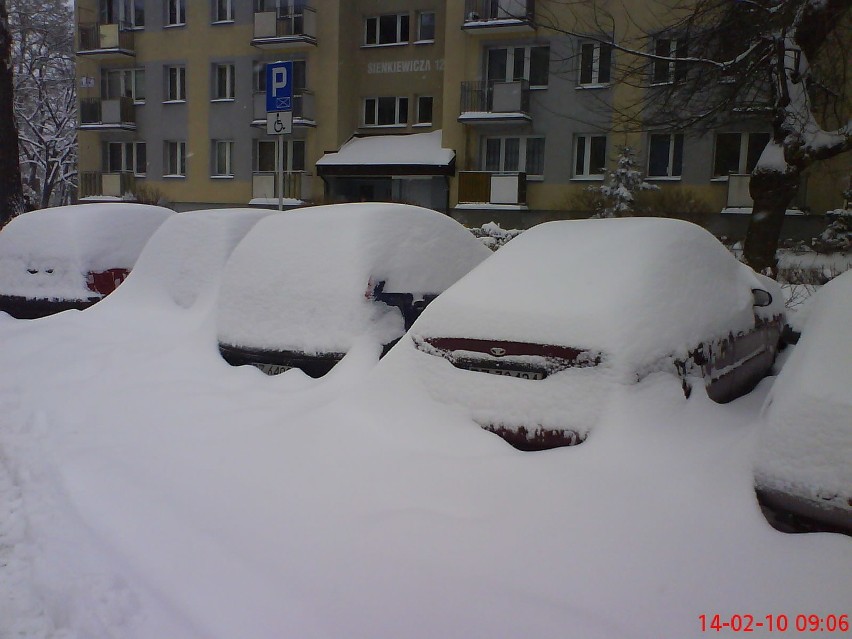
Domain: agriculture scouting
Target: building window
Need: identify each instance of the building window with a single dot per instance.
(670, 69)
(223, 81)
(388, 29)
(595, 63)
(426, 26)
(175, 12)
(665, 156)
(387, 111)
(123, 83)
(175, 160)
(128, 13)
(119, 157)
(223, 11)
(515, 154)
(175, 84)
(294, 156)
(223, 153)
(424, 109)
(589, 156)
(509, 64)
(737, 152)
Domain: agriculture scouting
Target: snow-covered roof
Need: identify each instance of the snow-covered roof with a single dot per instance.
(637, 289)
(71, 241)
(183, 260)
(298, 280)
(805, 446)
(416, 149)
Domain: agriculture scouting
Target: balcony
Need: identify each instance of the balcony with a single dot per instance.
(493, 102)
(297, 187)
(491, 187)
(94, 184)
(113, 114)
(105, 41)
(303, 109)
(499, 16)
(280, 30)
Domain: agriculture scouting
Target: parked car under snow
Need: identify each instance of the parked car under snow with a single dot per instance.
(304, 286)
(533, 341)
(70, 257)
(803, 464)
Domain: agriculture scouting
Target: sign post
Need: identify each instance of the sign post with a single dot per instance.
(279, 113)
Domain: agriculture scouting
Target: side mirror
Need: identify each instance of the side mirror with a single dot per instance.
(761, 297)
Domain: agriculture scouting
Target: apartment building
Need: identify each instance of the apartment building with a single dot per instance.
(460, 105)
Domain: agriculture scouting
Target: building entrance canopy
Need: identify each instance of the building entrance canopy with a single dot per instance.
(389, 155)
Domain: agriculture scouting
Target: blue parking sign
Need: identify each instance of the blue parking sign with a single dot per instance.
(279, 86)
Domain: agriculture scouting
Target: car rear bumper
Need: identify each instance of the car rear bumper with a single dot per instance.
(29, 308)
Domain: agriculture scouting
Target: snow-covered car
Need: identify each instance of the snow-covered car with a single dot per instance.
(534, 341)
(70, 257)
(304, 286)
(803, 462)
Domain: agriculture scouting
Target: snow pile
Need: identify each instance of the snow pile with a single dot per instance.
(493, 236)
(299, 281)
(416, 149)
(806, 442)
(184, 259)
(46, 254)
(661, 305)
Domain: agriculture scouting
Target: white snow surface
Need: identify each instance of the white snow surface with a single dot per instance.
(805, 445)
(566, 283)
(305, 273)
(415, 149)
(148, 489)
(72, 241)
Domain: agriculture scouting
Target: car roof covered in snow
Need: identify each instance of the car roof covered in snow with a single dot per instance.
(805, 444)
(72, 241)
(638, 289)
(298, 281)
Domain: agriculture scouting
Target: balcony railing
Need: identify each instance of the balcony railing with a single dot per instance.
(275, 27)
(490, 187)
(264, 186)
(105, 39)
(506, 14)
(117, 113)
(304, 112)
(97, 183)
(492, 100)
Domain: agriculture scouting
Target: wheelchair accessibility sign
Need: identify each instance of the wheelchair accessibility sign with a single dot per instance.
(279, 98)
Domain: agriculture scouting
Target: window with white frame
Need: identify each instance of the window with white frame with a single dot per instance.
(129, 13)
(123, 83)
(589, 156)
(385, 111)
(514, 154)
(174, 161)
(667, 67)
(426, 26)
(424, 109)
(222, 161)
(737, 152)
(294, 156)
(175, 84)
(665, 155)
(119, 157)
(387, 29)
(223, 11)
(509, 64)
(175, 12)
(223, 81)
(595, 63)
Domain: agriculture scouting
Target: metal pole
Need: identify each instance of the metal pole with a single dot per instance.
(280, 173)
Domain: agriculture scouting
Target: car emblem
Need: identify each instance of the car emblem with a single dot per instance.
(498, 352)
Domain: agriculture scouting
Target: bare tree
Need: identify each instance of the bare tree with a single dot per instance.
(699, 64)
(45, 98)
(11, 195)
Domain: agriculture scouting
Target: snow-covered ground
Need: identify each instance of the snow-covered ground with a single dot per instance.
(148, 489)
